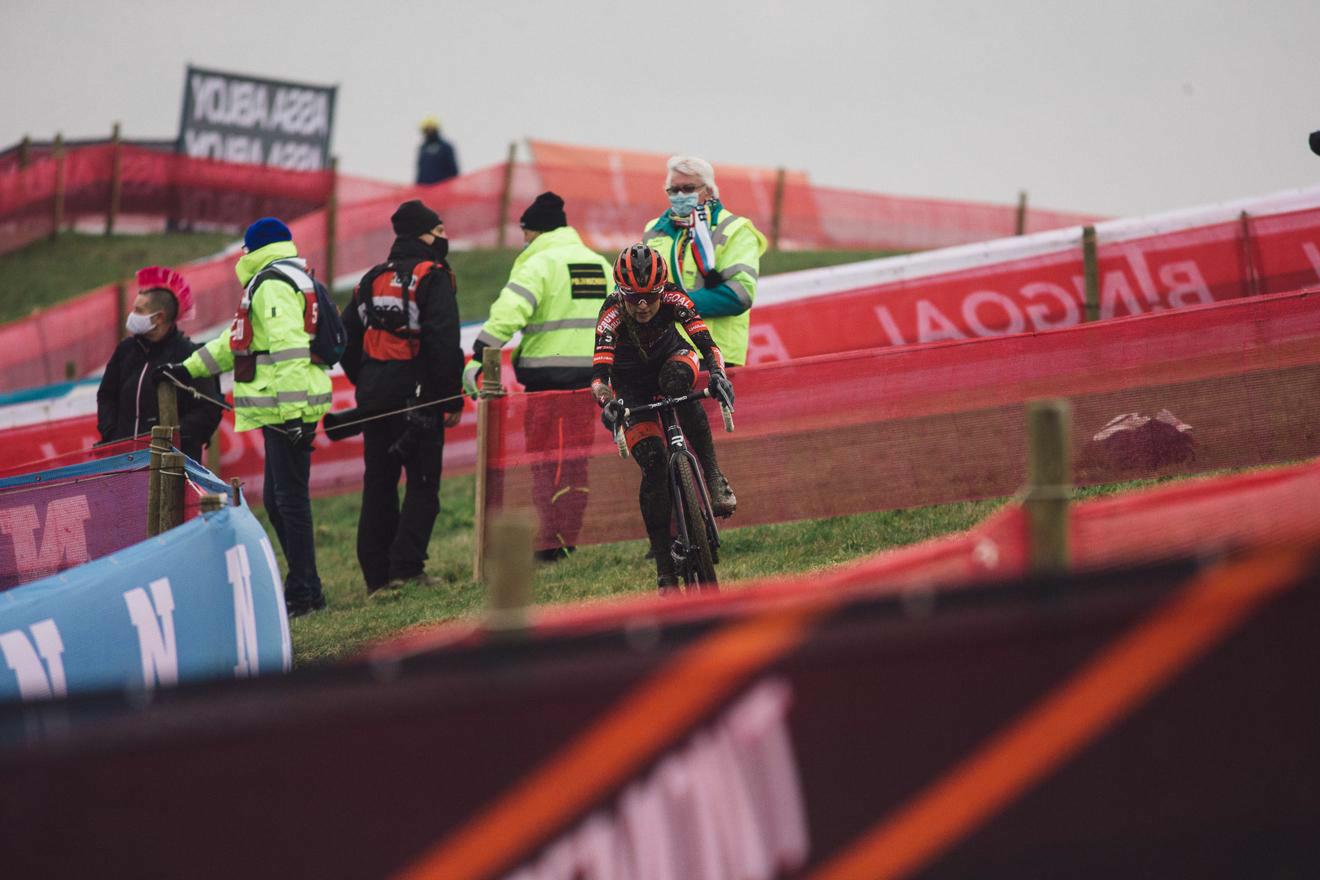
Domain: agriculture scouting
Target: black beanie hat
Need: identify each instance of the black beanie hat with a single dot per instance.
(1315, 142)
(414, 219)
(546, 213)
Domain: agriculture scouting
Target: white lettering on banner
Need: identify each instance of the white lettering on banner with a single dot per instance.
(294, 156)
(63, 538)
(1137, 263)
(286, 644)
(160, 656)
(973, 301)
(240, 148)
(1313, 255)
(729, 804)
(764, 345)
(300, 112)
(890, 326)
(35, 681)
(1038, 313)
(245, 617)
(933, 325)
(219, 100)
(1185, 285)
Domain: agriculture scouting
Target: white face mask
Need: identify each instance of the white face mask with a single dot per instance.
(139, 324)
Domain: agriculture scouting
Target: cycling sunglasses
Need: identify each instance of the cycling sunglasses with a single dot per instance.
(648, 296)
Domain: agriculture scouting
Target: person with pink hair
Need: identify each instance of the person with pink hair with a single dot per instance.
(126, 399)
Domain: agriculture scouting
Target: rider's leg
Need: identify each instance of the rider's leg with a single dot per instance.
(676, 378)
(648, 450)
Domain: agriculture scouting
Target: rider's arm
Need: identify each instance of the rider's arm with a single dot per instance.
(685, 312)
(602, 362)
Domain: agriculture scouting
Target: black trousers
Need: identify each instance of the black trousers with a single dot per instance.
(289, 507)
(391, 542)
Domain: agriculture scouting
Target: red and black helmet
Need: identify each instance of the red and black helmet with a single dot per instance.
(640, 269)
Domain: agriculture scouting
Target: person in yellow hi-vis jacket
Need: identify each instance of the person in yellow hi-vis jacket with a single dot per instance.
(277, 388)
(714, 255)
(554, 293)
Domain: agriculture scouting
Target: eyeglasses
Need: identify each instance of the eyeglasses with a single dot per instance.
(683, 188)
(648, 297)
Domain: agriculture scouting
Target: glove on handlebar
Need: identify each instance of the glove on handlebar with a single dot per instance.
(721, 388)
(612, 415)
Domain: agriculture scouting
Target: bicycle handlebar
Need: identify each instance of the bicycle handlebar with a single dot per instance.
(668, 403)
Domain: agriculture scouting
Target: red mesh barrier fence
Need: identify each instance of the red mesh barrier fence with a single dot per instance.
(1177, 392)
(48, 527)
(612, 194)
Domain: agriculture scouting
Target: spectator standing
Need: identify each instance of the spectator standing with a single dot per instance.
(435, 157)
(126, 399)
(713, 256)
(278, 388)
(403, 350)
(553, 296)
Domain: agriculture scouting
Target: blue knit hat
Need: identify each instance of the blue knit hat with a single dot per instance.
(264, 232)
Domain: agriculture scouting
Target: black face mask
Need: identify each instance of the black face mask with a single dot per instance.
(440, 248)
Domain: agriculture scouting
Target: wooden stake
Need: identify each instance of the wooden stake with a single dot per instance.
(171, 491)
(777, 215)
(160, 446)
(506, 195)
(167, 404)
(25, 152)
(1091, 269)
(490, 389)
(1021, 225)
(213, 453)
(1250, 278)
(509, 573)
(236, 491)
(331, 225)
(116, 179)
(57, 207)
(1049, 484)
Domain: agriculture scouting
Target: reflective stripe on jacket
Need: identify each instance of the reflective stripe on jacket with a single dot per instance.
(738, 249)
(553, 295)
(286, 385)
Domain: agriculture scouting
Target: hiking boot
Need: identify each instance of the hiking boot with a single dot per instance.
(722, 500)
(303, 607)
(374, 590)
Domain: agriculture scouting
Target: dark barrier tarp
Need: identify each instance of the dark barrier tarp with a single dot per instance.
(1154, 722)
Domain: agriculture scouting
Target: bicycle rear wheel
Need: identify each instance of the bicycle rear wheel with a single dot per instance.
(701, 566)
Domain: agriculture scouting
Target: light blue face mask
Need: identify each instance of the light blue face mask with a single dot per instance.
(683, 204)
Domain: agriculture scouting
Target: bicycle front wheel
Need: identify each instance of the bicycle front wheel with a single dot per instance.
(700, 572)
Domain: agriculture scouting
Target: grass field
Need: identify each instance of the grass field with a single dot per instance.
(47, 272)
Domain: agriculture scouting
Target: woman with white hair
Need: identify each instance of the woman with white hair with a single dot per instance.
(714, 255)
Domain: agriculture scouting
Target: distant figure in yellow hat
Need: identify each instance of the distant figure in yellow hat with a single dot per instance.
(435, 157)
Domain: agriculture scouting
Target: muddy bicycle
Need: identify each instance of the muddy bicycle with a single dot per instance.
(696, 540)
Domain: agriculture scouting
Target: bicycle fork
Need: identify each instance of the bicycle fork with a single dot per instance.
(682, 545)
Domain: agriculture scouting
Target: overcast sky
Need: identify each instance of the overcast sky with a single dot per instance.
(1119, 108)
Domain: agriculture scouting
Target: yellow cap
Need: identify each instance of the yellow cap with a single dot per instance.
(430, 122)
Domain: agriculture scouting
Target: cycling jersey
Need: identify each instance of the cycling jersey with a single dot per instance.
(623, 345)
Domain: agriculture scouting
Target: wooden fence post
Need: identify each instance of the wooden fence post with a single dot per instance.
(1091, 270)
(1020, 227)
(331, 225)
(121, 303)
(509, 573)
(116, 179)
(171, 490)
(160, 447)
(57, 206)
(236, 491)
(25, 152)
(777, 215)
(1251, 281)
(1049, 484)
(167, 405)
(490, 389)
(213, 453)
(506, 195)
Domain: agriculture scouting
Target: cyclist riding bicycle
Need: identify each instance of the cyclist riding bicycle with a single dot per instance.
(639, 355)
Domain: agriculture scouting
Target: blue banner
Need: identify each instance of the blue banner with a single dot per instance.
(201, 601)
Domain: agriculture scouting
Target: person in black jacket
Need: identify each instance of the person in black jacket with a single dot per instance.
(435, 157)
(126, 398)
(403, 350)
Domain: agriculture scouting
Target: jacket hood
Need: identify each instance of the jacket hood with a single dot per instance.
(546, 240)
(250, 264)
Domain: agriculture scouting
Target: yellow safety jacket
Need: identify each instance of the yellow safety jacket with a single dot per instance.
(286, 384)
(553, 295)
(738, 249)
